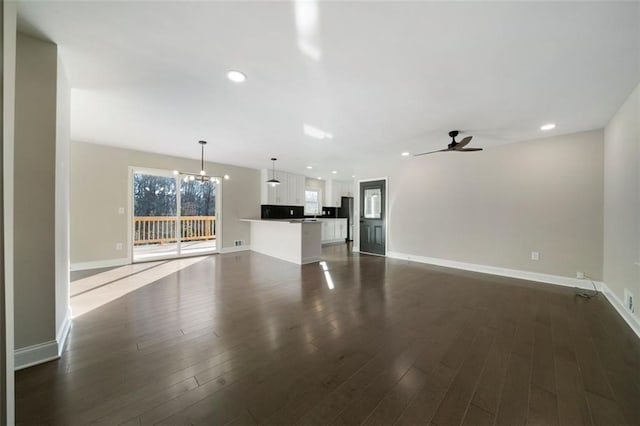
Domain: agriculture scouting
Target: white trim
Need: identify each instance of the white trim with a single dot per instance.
(169, 173)
(129, 210)
(234, 249)
(95, 264)
(44, 352)
(36, 354)
(312, 259)
(9, 34)
(630, 319)
(495, 270)
(63, 332)
(339, 240)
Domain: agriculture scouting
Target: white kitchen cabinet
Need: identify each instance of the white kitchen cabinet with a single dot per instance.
(335, 190)
(289, 192)
(328, 230)
(295, 189)
(333, 230)
(341, 229)
(346, 189)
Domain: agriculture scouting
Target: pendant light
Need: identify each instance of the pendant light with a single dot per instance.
(273, 181)
(202, 176)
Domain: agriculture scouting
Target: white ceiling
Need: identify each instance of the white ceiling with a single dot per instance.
(390, 76)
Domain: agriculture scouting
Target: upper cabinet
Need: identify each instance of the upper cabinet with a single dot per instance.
(335, 190)
(289, 192)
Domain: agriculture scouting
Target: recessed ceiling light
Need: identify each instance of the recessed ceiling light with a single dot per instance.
(319, 177)
(236, 76)
(227, 177)
(335, 172)
(405, 154)
(353, 176)
(316, 133)
(309, 167)
(549, 126)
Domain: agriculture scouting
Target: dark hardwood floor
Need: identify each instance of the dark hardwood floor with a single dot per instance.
(244, 339)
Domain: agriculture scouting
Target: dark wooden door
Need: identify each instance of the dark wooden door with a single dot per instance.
(372, 217)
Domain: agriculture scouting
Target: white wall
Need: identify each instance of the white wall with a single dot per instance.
(100, 183)
(622, 200)
(495, 207)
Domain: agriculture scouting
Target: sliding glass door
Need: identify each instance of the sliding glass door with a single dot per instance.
(173, 215)
(197, 215)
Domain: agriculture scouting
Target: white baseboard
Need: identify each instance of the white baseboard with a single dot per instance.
(630, 319)
(63, 332)
(82, 266)
(340, 240)
(46, 351)
(312, 259)
(234, 249)
(495, 270)
(36, 354)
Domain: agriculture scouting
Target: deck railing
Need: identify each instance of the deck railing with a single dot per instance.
(162, 229)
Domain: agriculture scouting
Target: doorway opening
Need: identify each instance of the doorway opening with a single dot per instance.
(173, 215)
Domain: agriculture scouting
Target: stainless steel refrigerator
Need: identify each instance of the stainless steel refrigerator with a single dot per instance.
(346, 211)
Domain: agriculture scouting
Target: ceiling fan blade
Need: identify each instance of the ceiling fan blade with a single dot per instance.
(464, 142)
(469, 149)
(432, 152)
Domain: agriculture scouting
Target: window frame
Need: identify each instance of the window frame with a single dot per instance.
(319, 192)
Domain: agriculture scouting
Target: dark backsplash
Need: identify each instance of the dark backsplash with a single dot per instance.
(268, 211)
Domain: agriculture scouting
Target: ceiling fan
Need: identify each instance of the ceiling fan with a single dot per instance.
(454, 146)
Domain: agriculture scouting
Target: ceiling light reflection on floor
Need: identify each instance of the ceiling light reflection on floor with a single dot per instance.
(327, 275)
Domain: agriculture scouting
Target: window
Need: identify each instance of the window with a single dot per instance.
(312, 201)
(372, 205)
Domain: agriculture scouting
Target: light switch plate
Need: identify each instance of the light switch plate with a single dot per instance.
(120, 210)
(535, 255)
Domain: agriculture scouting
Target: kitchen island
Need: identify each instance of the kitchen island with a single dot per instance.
(294, 240)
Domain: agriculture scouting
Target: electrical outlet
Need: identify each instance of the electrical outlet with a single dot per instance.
(118, 246)
(580, 275)
(535, 255)
(629, 301)
(238, 243)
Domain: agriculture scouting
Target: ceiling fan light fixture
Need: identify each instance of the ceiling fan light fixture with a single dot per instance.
(454, 145)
